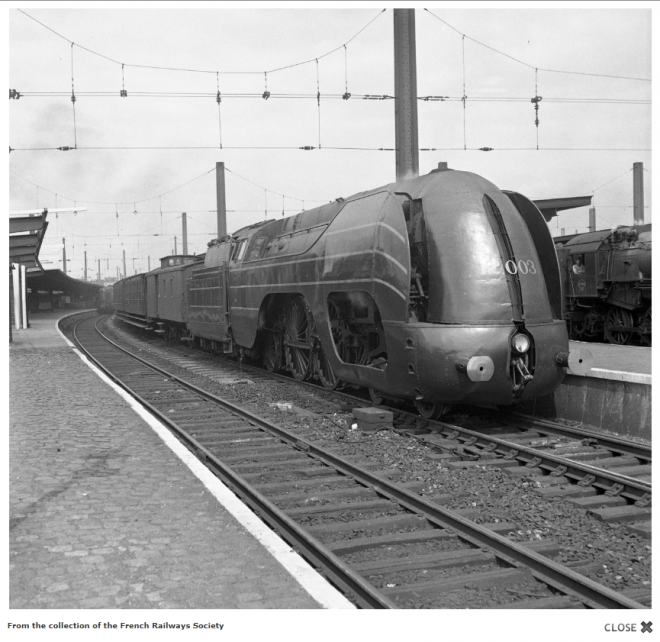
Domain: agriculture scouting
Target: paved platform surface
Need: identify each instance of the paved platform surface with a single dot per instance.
(607, 356)
(103, 514)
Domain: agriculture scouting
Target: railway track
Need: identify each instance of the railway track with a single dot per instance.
(608, 475)
(377, 540)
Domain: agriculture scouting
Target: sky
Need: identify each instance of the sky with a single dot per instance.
(143, 159)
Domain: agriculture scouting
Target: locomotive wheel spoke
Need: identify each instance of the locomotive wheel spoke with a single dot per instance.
(299, 332)
(618, 317)
(645, 339)
(324, 370)
(273, 352)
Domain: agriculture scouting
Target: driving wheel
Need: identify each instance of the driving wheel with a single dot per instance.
(617, 317)
(298, 339)
(429, 409)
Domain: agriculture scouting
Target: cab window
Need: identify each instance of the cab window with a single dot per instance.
(257, 246)
(240, 250)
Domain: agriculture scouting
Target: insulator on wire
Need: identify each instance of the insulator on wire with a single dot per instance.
(536, 100)
(346, 96)
(307, 147)
(13, 94)
(65, 148)
(485, 149)
(266, 94)
(218, 99)
(122, 92)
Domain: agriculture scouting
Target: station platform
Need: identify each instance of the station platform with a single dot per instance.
(105, 513)
(614, 397)
(609, 358)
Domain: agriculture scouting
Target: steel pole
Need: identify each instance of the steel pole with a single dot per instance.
(24, 296)
(17, 295)
(220, 196)
(184, 224)
(64, 255)
(592, 219)
(405, 95)
(638, 193)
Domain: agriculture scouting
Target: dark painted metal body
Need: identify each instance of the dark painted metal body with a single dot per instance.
(104, 300)
(607, 283)
(402, 287)
(159, 295)
(361, 246)
(130, 296)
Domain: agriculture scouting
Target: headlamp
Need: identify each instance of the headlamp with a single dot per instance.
(520, 343)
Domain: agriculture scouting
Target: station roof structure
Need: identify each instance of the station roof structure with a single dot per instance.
(57, 281)
(26, 233)
(550, 206)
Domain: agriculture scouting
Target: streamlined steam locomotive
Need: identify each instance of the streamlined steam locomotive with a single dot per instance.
(607, 284)
(441, 289)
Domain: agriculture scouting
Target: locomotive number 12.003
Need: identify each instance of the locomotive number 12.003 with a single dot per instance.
(523, 266)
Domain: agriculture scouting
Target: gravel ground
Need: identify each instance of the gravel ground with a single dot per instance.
(623, 560)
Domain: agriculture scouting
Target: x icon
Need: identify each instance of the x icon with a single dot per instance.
(646, 627)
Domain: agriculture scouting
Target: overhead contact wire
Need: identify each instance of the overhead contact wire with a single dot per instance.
(143, 200)
(73, 103)
(204, 71)
(318, 98)
(464, 98)
(526, 64)
(219, 100)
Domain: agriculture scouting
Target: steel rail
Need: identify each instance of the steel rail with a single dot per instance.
(633, 488)
(310, 548)
(610, 442)
(616, 444)
(517, 555)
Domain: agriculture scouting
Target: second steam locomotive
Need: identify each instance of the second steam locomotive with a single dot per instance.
(607, 284)
(441, 289)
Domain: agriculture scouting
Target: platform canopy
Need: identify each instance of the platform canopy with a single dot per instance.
(26, 233)
(57, 281)
(550, 206)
